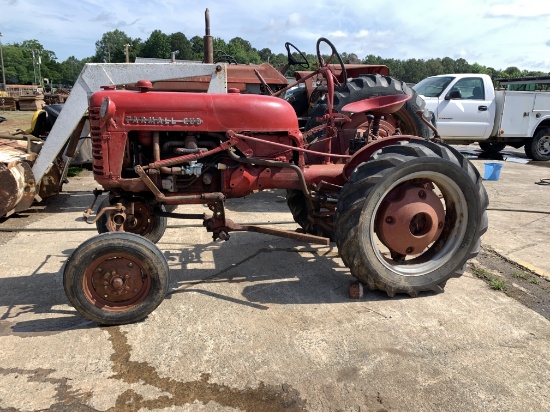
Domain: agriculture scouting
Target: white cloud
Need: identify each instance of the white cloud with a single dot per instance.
(500, 33)
(338, 33)
(520, 8)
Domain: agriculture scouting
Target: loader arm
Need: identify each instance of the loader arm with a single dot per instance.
(96, 75)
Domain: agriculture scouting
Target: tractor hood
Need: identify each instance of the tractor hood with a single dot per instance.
(203, 112)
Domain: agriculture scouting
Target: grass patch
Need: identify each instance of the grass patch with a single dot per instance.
(494, 283)
(481, 273)
(534, 280)
(497, 284)
(74, 171)
(520, 275)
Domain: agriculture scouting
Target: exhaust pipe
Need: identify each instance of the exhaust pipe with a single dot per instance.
(208, 40)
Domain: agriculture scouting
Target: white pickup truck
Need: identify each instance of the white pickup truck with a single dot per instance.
(466, 108)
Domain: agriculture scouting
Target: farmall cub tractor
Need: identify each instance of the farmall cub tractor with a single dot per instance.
(406, 212)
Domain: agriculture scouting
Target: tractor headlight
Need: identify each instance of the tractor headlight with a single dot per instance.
(107, 109)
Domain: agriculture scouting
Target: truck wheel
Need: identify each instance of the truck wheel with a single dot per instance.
(539, 146)
(492, 147)
(410, 218)
(373, 85)
(145, 222)
(301, 211)
(116, 278)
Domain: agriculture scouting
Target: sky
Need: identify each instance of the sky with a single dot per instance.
(493, 33)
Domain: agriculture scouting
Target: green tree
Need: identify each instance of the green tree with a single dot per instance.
(243, 51)
(157, 45)
(434, 67)
(180, 43)
(448, 65)
(414, 70)
(16, 65)
(70, 70)
(197, 45)
(112, 47)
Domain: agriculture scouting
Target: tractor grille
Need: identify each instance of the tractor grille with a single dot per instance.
(98, 165)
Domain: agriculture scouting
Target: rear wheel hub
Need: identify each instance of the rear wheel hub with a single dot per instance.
(410, 219)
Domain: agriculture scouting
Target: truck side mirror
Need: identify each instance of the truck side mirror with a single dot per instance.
(453, 94)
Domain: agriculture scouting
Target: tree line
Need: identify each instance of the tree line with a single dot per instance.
(29, 63)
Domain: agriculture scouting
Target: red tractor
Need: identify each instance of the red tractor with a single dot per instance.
(406, 212)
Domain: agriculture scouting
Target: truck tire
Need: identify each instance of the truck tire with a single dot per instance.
(116, 278)
(538, 148)
(492, 147)
(146, 222)
(394, 200)
(302, 213)
(373, 85)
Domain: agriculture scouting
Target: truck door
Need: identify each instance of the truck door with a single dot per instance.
(464, 111)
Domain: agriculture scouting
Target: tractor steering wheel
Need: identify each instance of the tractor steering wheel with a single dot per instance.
(333, 53)
(292, 60)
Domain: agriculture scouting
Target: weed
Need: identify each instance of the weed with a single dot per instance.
(481, 273)
(534, 280)
(74, 171)
(520, 275)
(497, 284)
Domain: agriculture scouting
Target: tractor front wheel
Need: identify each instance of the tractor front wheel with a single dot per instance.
(116, 278)
(410, 218)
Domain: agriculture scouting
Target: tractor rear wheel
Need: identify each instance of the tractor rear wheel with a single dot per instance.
(116, 278)
(410, 218)
(144, 222)
(374, 85)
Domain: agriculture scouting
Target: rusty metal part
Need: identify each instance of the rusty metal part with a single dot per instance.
(17, 187)
(410, 219)
(436, 137)
(192, 157)
(297, 149)
(355, 289)
(116, 282)
(302, 237)
(366, 152)
(159, 196)
(118, 208)
(70, 151)
(378, 105)
(208, 40)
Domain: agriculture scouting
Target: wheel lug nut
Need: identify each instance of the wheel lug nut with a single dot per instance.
(409, 250)
(422, 194)
(390, 220)
(130, 264)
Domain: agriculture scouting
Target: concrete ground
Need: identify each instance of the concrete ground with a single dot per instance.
(261, 323)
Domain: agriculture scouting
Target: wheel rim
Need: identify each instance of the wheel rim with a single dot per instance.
(435, 219)
(543, 146)
(116, 282)
(142, 222)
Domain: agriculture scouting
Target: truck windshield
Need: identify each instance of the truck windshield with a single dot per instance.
(432, 86)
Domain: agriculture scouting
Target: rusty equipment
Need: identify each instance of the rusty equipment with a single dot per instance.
(406, 212)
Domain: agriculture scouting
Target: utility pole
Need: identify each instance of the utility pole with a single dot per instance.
(126, 51)
(33, 65)
(2, 62)
(40, 80)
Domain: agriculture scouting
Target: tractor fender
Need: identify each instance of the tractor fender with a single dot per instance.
(364, 154)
